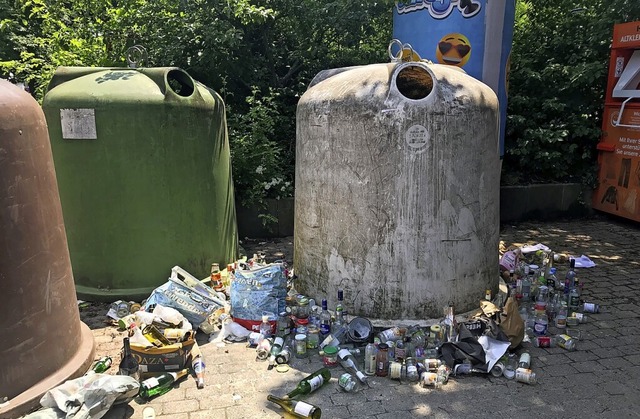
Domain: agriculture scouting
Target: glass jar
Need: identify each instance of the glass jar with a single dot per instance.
(313, 337)
(510, 367)
(346, 382)
(382, 360)
(291, 305)
(301, 346)
(561, 316)
(284, 324)
(330, 356)
(396, 370)
(412, 369)
(541, 324)
(303, 308)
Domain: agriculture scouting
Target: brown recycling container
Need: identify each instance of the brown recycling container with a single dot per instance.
(42, 340)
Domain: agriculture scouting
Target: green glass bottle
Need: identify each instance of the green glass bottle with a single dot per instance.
(311, 383)
(101, 365)
(161, 384)
(296, 409)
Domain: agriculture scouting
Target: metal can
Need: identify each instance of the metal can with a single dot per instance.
(525, 375)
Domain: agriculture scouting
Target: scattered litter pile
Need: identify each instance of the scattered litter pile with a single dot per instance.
(256, 302)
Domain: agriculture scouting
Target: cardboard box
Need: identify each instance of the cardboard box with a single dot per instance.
(170, 358)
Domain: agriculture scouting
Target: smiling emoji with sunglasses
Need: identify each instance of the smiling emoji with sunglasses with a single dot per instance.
(453, 49)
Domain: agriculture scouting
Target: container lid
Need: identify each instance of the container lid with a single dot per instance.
(383, 347)
(330, 350)
(301, 337)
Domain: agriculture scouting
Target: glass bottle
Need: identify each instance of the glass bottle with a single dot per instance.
(541, 324)
(510, 367)
(526, 287)
(574, 296)
(570, 277)
(335, 337)
(311, 383)
(278, 343)
(313, 337)
(348, 362)
(565, 341)
(400, 351)
(265, 327)
(284, 355)
(297, 409)
(370, 359)
(448, 325)
(552, 279)
(561, 316)
(591, 308)
(340, 320)
(161, 384)
(216, 277)
(198, 368)
(303, 308)
(284, 324)
(382, 360)
(128, 366)
(525, 360)
(100, 366)
(325, 320)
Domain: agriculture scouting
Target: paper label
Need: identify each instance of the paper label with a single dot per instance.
(316, 382)
(303, 408)
(78, 124)
(417, 137)
(152, 382)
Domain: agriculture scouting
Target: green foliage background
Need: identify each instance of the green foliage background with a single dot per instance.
(261, 55)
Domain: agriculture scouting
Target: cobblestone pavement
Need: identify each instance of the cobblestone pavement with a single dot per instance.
(601, 379)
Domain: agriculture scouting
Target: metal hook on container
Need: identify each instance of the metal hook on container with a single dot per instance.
(136, 55)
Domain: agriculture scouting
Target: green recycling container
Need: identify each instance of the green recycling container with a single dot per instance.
(144, 172)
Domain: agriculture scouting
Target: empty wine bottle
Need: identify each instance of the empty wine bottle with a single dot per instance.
(349, 363)
(100, 366)
(128, 366)
(311, 383)
(161, 384)
(297, 409)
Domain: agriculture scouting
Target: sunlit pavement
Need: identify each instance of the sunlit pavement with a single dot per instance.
(601, 379)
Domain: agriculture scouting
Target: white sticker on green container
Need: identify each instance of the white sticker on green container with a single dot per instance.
(78, 124)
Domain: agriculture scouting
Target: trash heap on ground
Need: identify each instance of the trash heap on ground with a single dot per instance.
(251, 301)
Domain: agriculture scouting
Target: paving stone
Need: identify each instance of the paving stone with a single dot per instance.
(367, 408)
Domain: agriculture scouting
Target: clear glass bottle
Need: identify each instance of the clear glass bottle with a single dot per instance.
(565, 341)
(303, 308)
(297, 409)
(561, 315)
(265, 327)
(325, 321)
(161, 384)
(349, 363)
(400, 352)
(276, 347)
(525, 360)
(340, 320)
(311, 383)
(382, 360)
(574, 296)
(370, 352)
(569, 278)
(449, 325)
(284, 324)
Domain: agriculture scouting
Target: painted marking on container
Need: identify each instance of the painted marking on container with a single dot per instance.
(417, 137)
(78, 124)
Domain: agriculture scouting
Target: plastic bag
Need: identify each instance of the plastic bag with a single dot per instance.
(511, 323)
(194, 300)
(87, 397)
(258, 290)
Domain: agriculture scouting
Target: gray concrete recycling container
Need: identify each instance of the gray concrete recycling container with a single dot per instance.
(397, 189)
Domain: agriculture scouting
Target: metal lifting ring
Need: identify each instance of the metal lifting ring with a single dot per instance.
(136, 55)
(401, 56)
(395, 58)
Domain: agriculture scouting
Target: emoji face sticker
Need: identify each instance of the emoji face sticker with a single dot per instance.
(453, 49)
